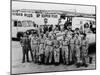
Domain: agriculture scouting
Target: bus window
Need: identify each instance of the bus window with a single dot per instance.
(69, 19)
(34, 25)
(30, 23)
(24, 23)
(81, 22)
(15, 23)
(19, 24)
(86, 25)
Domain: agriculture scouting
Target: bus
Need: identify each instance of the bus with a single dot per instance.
(18, 27)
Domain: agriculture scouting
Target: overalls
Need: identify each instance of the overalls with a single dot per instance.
(65, 51)
(72, 50)
(56, 51)
(77, 49)
(84, 51)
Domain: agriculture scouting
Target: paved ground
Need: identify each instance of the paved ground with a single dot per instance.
(18, 67)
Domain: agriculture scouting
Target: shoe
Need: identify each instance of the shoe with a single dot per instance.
(28, 61)
(71, 63)
(32, 59)
(78, 65)
(86, 65)
(23, 61)
(39, 63)
(56, 64)
(90, 60)
(82, 64)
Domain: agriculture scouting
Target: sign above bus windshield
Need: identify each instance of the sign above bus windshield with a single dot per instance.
(30, 14)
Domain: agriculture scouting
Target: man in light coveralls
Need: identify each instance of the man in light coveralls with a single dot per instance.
(77, 49)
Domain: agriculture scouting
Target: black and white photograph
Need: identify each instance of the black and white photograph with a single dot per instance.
(52, 37)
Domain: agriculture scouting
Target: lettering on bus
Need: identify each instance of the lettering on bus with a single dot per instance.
(46, 15)
(22, 14)
(28, 15)
(17, 14)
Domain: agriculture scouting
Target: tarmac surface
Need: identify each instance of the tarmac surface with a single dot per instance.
(18, 67)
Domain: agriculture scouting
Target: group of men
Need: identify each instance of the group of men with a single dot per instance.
(46, 48)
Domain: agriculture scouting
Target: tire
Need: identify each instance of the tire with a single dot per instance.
(19, 35)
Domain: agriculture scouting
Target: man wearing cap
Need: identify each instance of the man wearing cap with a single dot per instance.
(77, 31)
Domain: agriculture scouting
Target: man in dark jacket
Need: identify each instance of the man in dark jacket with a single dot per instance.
(45, 28)
(50, 28)
(25, 47)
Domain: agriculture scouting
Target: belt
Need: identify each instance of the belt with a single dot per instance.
(72, 43)
(49, 45)
(56, 46)
(34, 44)
(83, 45)
(41, 43)
(25, 45)
(65, 45)
(77, 44)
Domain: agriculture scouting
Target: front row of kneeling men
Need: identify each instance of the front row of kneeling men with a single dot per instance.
(47, 49)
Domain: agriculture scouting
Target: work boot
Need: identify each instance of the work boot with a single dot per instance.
(78, 65)
(90, 60)
(23, 61)
(86, 65)
(28, 61)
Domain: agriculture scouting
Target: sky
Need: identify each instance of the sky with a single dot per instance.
(49, 6)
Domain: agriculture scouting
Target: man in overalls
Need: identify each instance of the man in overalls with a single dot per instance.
(31, 37)
(65, 49)
(84, 50)
(77, 49)
(56, 50)
(34, 47)
(60, 47)
(72, 49)
(50, 44)
(46, 50)
(41, 49)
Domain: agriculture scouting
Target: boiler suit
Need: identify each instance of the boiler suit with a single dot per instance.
(77, 49)
(56, 51)
(48, 51)
(41, 50)
(84, 51)
(72, 49)
(65, 51)
(34, 47)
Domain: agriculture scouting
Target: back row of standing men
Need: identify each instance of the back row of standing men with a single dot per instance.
(47, 48)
